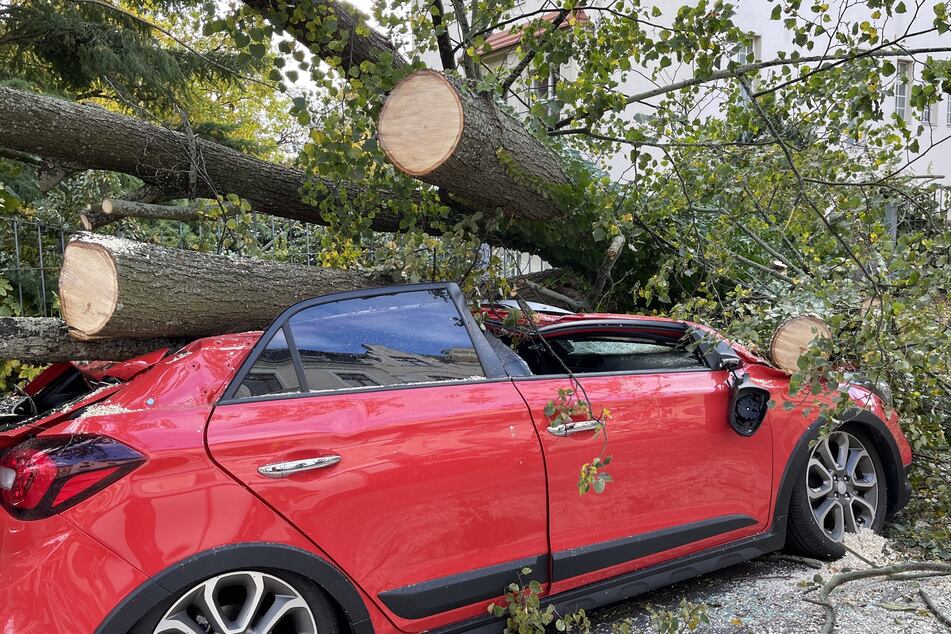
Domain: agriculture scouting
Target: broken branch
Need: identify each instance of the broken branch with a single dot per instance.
(114, 209)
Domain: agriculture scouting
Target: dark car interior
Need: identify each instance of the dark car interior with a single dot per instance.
(587, 352)
(20, 407)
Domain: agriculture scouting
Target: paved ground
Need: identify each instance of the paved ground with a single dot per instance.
(765, 596)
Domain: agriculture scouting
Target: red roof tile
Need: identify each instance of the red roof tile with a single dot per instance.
(506, 39)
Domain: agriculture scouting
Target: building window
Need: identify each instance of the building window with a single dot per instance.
(901, 89)
(259, 384)
(949, 112)
(544, 89)
(746, 53)
(930, 114)
(356, 379)
(410, 361)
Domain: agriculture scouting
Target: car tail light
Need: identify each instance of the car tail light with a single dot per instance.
(48, 474)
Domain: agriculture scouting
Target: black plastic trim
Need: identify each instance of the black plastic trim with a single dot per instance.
(447, 593)
(187, 573)
(624, 586)
(542, 377)
(578, 561)
(899, 490)
(295, 357)
(675, 327)
(491, 365)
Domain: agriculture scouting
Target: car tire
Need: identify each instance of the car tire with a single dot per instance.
(310, 609)
(824, 490)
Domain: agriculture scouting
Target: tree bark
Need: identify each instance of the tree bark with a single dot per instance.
(95, 138)
(45, 340)
(361, 42)
(114, 209)
(115, 288)
(434, 128)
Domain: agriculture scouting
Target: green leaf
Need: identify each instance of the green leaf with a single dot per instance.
(258, 49)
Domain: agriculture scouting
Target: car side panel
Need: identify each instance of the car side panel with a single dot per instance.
(434, 481)
(677, 467)
(179, 503)
(54, 578)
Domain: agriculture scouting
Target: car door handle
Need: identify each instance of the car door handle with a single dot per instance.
(573, 428)
(284, 469)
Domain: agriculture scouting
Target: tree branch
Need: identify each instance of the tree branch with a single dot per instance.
(472, 71)
(168, 34)
(889, 572)
(554, 295)
(941, 616)
(446, 55)
(604, 274)
(743, 69)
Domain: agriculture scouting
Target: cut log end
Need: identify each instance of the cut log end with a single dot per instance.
(794, 337)
(88, 288)
(421, 123)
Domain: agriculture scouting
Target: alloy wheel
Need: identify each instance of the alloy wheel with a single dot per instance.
(842, 485)
(244, 602)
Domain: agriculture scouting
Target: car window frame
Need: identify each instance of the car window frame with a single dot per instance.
(492, 367)
(627, 326)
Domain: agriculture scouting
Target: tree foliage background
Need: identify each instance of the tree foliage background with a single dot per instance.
(772, 205)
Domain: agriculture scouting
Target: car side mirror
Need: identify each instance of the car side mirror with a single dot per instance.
(748, 405)
(728, 359)
(717, 353)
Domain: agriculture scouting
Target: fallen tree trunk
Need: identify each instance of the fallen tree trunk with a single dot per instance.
(94, 138)
(115, 288)
(114, 209)
(432, 127)
(45, 340)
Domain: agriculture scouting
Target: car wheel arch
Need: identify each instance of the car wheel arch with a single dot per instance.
(259, 555)
(884, 442)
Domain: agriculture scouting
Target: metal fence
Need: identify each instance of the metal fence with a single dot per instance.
(31, 254)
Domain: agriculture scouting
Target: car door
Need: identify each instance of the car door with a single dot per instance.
(683, 480)
(382, 425)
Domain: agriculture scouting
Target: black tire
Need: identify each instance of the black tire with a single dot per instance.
(804, 535)
(325, 612)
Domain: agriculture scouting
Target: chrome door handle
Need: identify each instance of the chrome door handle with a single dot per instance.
(284, 469)
(573, 428)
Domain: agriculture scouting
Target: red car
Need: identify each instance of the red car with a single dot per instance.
(379, 461)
